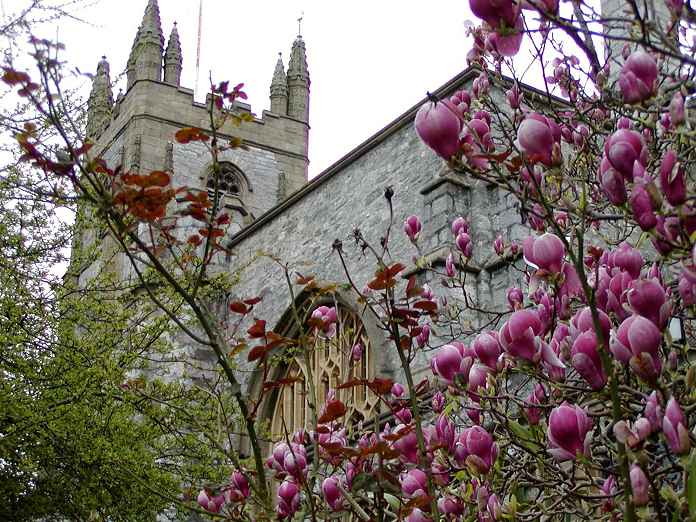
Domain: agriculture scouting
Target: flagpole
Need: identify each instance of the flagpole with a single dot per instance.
(198, 47)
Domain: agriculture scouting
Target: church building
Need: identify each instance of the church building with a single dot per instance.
(276, 210)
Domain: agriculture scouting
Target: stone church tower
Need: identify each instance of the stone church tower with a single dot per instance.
(136, 131)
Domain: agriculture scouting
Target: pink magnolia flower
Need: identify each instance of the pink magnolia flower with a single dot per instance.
(464, 244)
(676, 109)
(438, 125)
(612, 292)
(545, 252)
(637, 77)
(327, 317)
(569, 432)
(404, 415)
(586, 360)
(449, 266)
(412, 227)
(438, 402)
(612, 182)
(507, 41)
(514, 97)
(496, 13)
(518, 336)
(460, 225)
(288, 459)
(397, 389)
(477, 449)
(687, 286)
(653, 410)
(610, 490)
(477, 142)
(335, 438)
(478, 377)
(487, 349)
(332, 493)
(417, 515)
(675, 428)
(582, 321)
(632, 435)
(449, 362)
(639, 486)
(493, 507)
(643, 207)
(515, 298)
(637, 341)
(623, 150)
(406, 445)
(499, 245)
(212, 504)
(445, 432)
(672, 179)
(414, 483)
(356, 352)
(424, 336)
(535, 398)
(288, 499)
(537, 136)
(238, 488)
(451, 506)
(647, 297)
(627, 258)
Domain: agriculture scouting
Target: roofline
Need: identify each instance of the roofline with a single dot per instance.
(351, 156)
(371, 142)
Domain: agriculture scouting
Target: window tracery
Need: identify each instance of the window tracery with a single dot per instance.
(230, 182)
(331, 364)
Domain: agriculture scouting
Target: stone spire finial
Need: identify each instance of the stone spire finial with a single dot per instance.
(297, 68)
(145, 60)
(173, 59)
(101, 101)
(298, 82)
(279, 88)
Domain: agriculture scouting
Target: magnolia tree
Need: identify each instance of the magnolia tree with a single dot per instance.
(574, 403)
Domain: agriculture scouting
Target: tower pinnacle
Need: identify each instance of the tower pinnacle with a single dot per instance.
(145, 60)
(279, 88)
(101, 101)
(298, 82)
(173, 58)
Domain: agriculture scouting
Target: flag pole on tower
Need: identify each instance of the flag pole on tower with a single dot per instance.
(198, 46)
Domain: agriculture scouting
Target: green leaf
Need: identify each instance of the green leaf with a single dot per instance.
(524, 436)
(691, 485)
(393, 502)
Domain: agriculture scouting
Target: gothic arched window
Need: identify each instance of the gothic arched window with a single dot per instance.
(230, 182)
(331, 364)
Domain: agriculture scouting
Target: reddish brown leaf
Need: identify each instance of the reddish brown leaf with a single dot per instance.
(190, 134)
(427, 306)
(238, 307)
(352, 383)
(395, 269)
(280, 382)
(258, 329)
(412, 288)
(332, 410)
(253, 301)
(258, 352)
(303, 280)
(380, 386)
(12, 77)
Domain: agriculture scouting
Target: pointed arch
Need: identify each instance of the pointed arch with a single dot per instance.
(331, 364)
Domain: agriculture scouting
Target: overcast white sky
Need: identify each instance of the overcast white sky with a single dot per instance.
(368, 60)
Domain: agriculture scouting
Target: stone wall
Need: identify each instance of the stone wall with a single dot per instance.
(351, 194)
